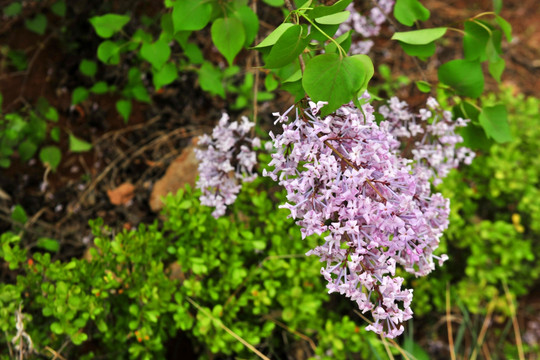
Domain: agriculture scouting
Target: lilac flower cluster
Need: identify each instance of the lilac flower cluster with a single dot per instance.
(227, 160)
(345, 180)
(367, 26)
(433, 132)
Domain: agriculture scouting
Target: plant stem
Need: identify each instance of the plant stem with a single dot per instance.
(342, 52)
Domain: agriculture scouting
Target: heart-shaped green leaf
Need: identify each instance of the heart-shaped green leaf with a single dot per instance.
(156, 53)
(287, 48)
(250, 21)
(494, 120)
(164, 76)
(109, 24)
(124, 108)
(38, 24)
(229, 36)
(109, 52)
(409, 11)
(475, 41)
(50, 156)
(466, 77)
(335, 79)
(191, 14)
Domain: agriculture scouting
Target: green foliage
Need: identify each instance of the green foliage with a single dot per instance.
(408, 12)
(466, 77)
(24, 132)
(109, 24)
(493, 233)
(420, 37)
(134, 290)
(38, 24)
(78, 145)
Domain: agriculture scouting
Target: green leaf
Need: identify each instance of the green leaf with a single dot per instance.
(78, 338)
(13, 9)
(78, 145)
(228, 36)
(79, 94)
(328, 77)
(287, 48)
(497, 6)
(496, 69)
(409, 11)
(505, 27)
(211, 79)
(193, 53)
(100, 87)
(18, 214)
(38, 24)
(334, 19)
(423, 86)
(420, 51)
(270, 82)
(475, 41)
(50, 156)
(415, 350)
(5, 163)
(164, 76)
(88, 67)
(250, 21)
(494, 120)
(167, 26)
(343, 40)
(369, 71)
(191, 14)
(109, 52)
(274, 36)
(474, 137)
(27, 149)
(464, 76)
(59, 8)
(156, 53)
(109, 24)
(297, 75)
(320, 11)
(420, 37)
(55, 133)
(123, 107)
(48, 244)
(275, 3)
(57, 328)
(51, 114)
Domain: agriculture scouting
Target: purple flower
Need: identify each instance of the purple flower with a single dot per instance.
(227, 160)
(346, 181)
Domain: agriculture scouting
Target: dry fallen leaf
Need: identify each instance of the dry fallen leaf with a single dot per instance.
(122, 194)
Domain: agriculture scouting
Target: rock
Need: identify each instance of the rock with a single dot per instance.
(183, 170)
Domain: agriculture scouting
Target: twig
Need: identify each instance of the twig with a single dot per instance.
(300, 335)
(55, 353)
(449, 324)
(517, 334)
(257, 77)
(386, 347)
(229, 331)
(485, 325)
